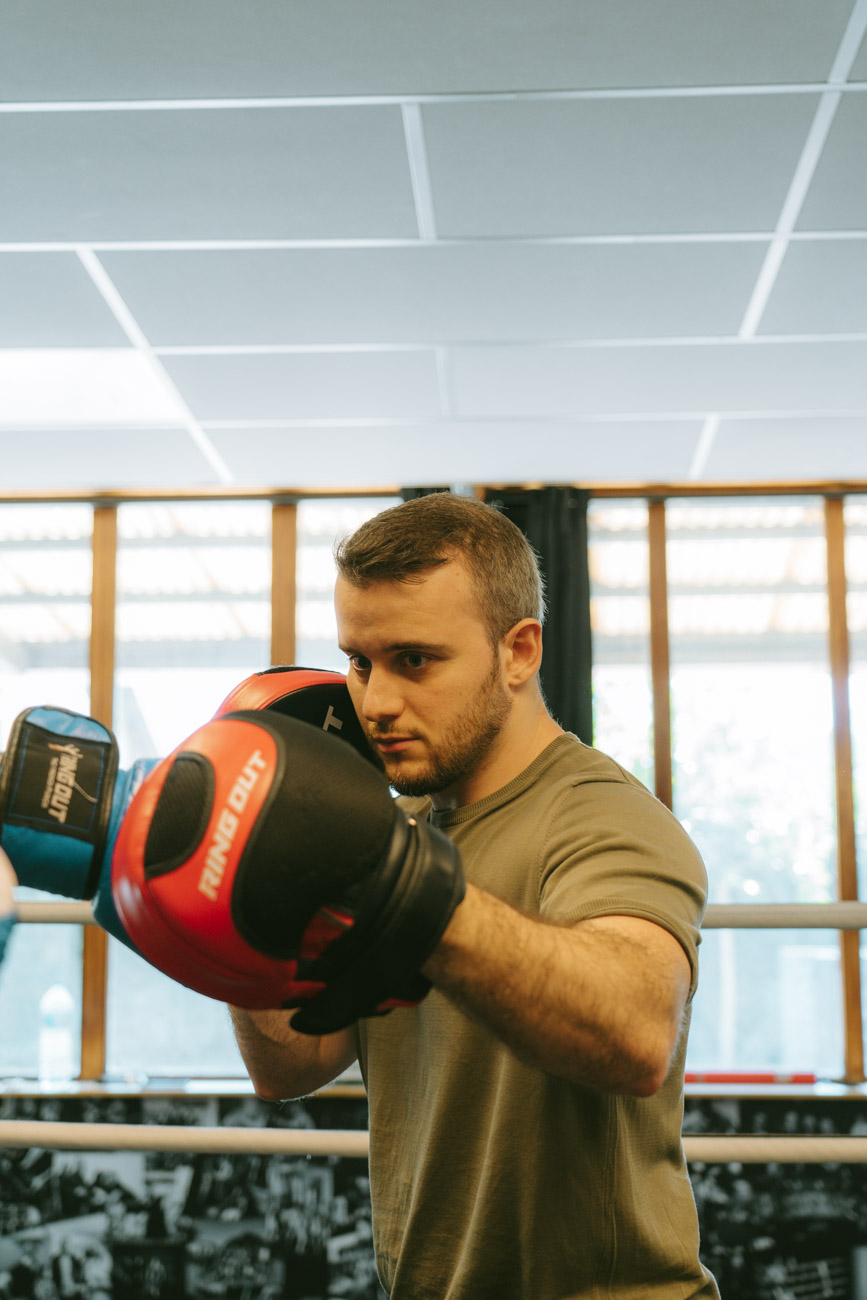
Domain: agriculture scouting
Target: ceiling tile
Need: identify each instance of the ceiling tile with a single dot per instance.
(222, 174)
(614, 166)
(106, 458)
(821, 289)
(563, 383)
(98, 49)
(446, 294)
(77, 387)
(47, 300)
(361, 385)
(461, 453)
(837, 198)
(784, 450)
(859, 67)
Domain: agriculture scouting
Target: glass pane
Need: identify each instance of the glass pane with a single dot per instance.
(45, 576)
(193, 619)
(768, 999)
(751, 696)
(157, 1027)
(620, 620)
(193, 615)
(40, 1002)
(320, 524)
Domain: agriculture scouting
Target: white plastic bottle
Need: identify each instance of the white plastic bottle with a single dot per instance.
(56, 1044)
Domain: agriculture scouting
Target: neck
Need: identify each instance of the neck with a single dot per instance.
(527, 733)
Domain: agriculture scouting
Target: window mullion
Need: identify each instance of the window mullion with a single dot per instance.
(847, 869)
(660, 661)
(284, 547)
(95, 944)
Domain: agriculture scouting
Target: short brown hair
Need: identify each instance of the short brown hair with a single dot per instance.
(403, 543)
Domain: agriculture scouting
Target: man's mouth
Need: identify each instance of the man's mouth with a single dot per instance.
(392, 744)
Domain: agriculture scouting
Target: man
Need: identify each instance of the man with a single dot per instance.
(525, 1117)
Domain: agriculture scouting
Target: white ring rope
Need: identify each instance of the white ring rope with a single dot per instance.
(719, 916)
(183, 1137)
(750, 1149)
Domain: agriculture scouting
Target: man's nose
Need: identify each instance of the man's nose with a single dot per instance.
(382, 698)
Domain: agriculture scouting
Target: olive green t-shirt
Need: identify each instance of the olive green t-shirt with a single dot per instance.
(494, 1179)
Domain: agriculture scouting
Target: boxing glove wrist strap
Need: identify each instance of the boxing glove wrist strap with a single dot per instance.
(57, 782)
(400, 916)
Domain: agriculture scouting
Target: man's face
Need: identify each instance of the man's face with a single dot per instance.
(425, 680)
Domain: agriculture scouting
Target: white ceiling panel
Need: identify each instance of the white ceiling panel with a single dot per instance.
(789, 449)
(446, 294)
(47, 300)
(838, 195)
(220, 174)
(466, 453)
(83, 386)
(362, 385)
(100, 49)
(105, 458)
(821, 289)
(571, 382)
(439, 243)
(859, 67)
(614, 166)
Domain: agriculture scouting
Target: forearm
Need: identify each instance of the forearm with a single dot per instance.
(283, 1064)
(589, 1003)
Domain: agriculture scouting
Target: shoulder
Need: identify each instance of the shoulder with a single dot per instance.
(569, 763)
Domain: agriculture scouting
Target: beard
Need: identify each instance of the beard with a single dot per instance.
(465, 748)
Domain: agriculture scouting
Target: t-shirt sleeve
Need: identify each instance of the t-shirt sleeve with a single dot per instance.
(613, 849)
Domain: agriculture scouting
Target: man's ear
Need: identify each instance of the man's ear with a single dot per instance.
(523, 647)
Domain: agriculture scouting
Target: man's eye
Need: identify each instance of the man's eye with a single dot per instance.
(359, 663)
(415, 660)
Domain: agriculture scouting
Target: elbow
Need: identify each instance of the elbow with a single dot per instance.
(268, 1089)
(649, 1067)
(649, 1082)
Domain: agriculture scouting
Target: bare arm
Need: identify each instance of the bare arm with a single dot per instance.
(599, 1003)
(283, 1064)
(8, 881)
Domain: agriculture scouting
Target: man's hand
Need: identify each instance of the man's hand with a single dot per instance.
(599, 1003)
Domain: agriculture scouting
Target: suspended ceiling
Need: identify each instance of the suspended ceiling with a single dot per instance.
(347, 244)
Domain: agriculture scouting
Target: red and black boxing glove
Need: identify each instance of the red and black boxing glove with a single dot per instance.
(316, 695)
(264, 865)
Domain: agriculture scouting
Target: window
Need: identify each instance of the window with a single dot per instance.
(751, 722)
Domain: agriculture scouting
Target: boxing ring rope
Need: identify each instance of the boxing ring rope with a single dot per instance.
(43, 1134)
(755, 1149)
(183, 1137)
(719, 916)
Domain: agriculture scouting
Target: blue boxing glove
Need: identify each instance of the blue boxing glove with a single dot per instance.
(62, 799)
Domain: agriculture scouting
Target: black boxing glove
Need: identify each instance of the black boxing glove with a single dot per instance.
(263, 865)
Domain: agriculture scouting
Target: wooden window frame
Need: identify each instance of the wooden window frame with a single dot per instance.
(283, 602)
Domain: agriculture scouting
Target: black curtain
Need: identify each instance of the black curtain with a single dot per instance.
(554, 521)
